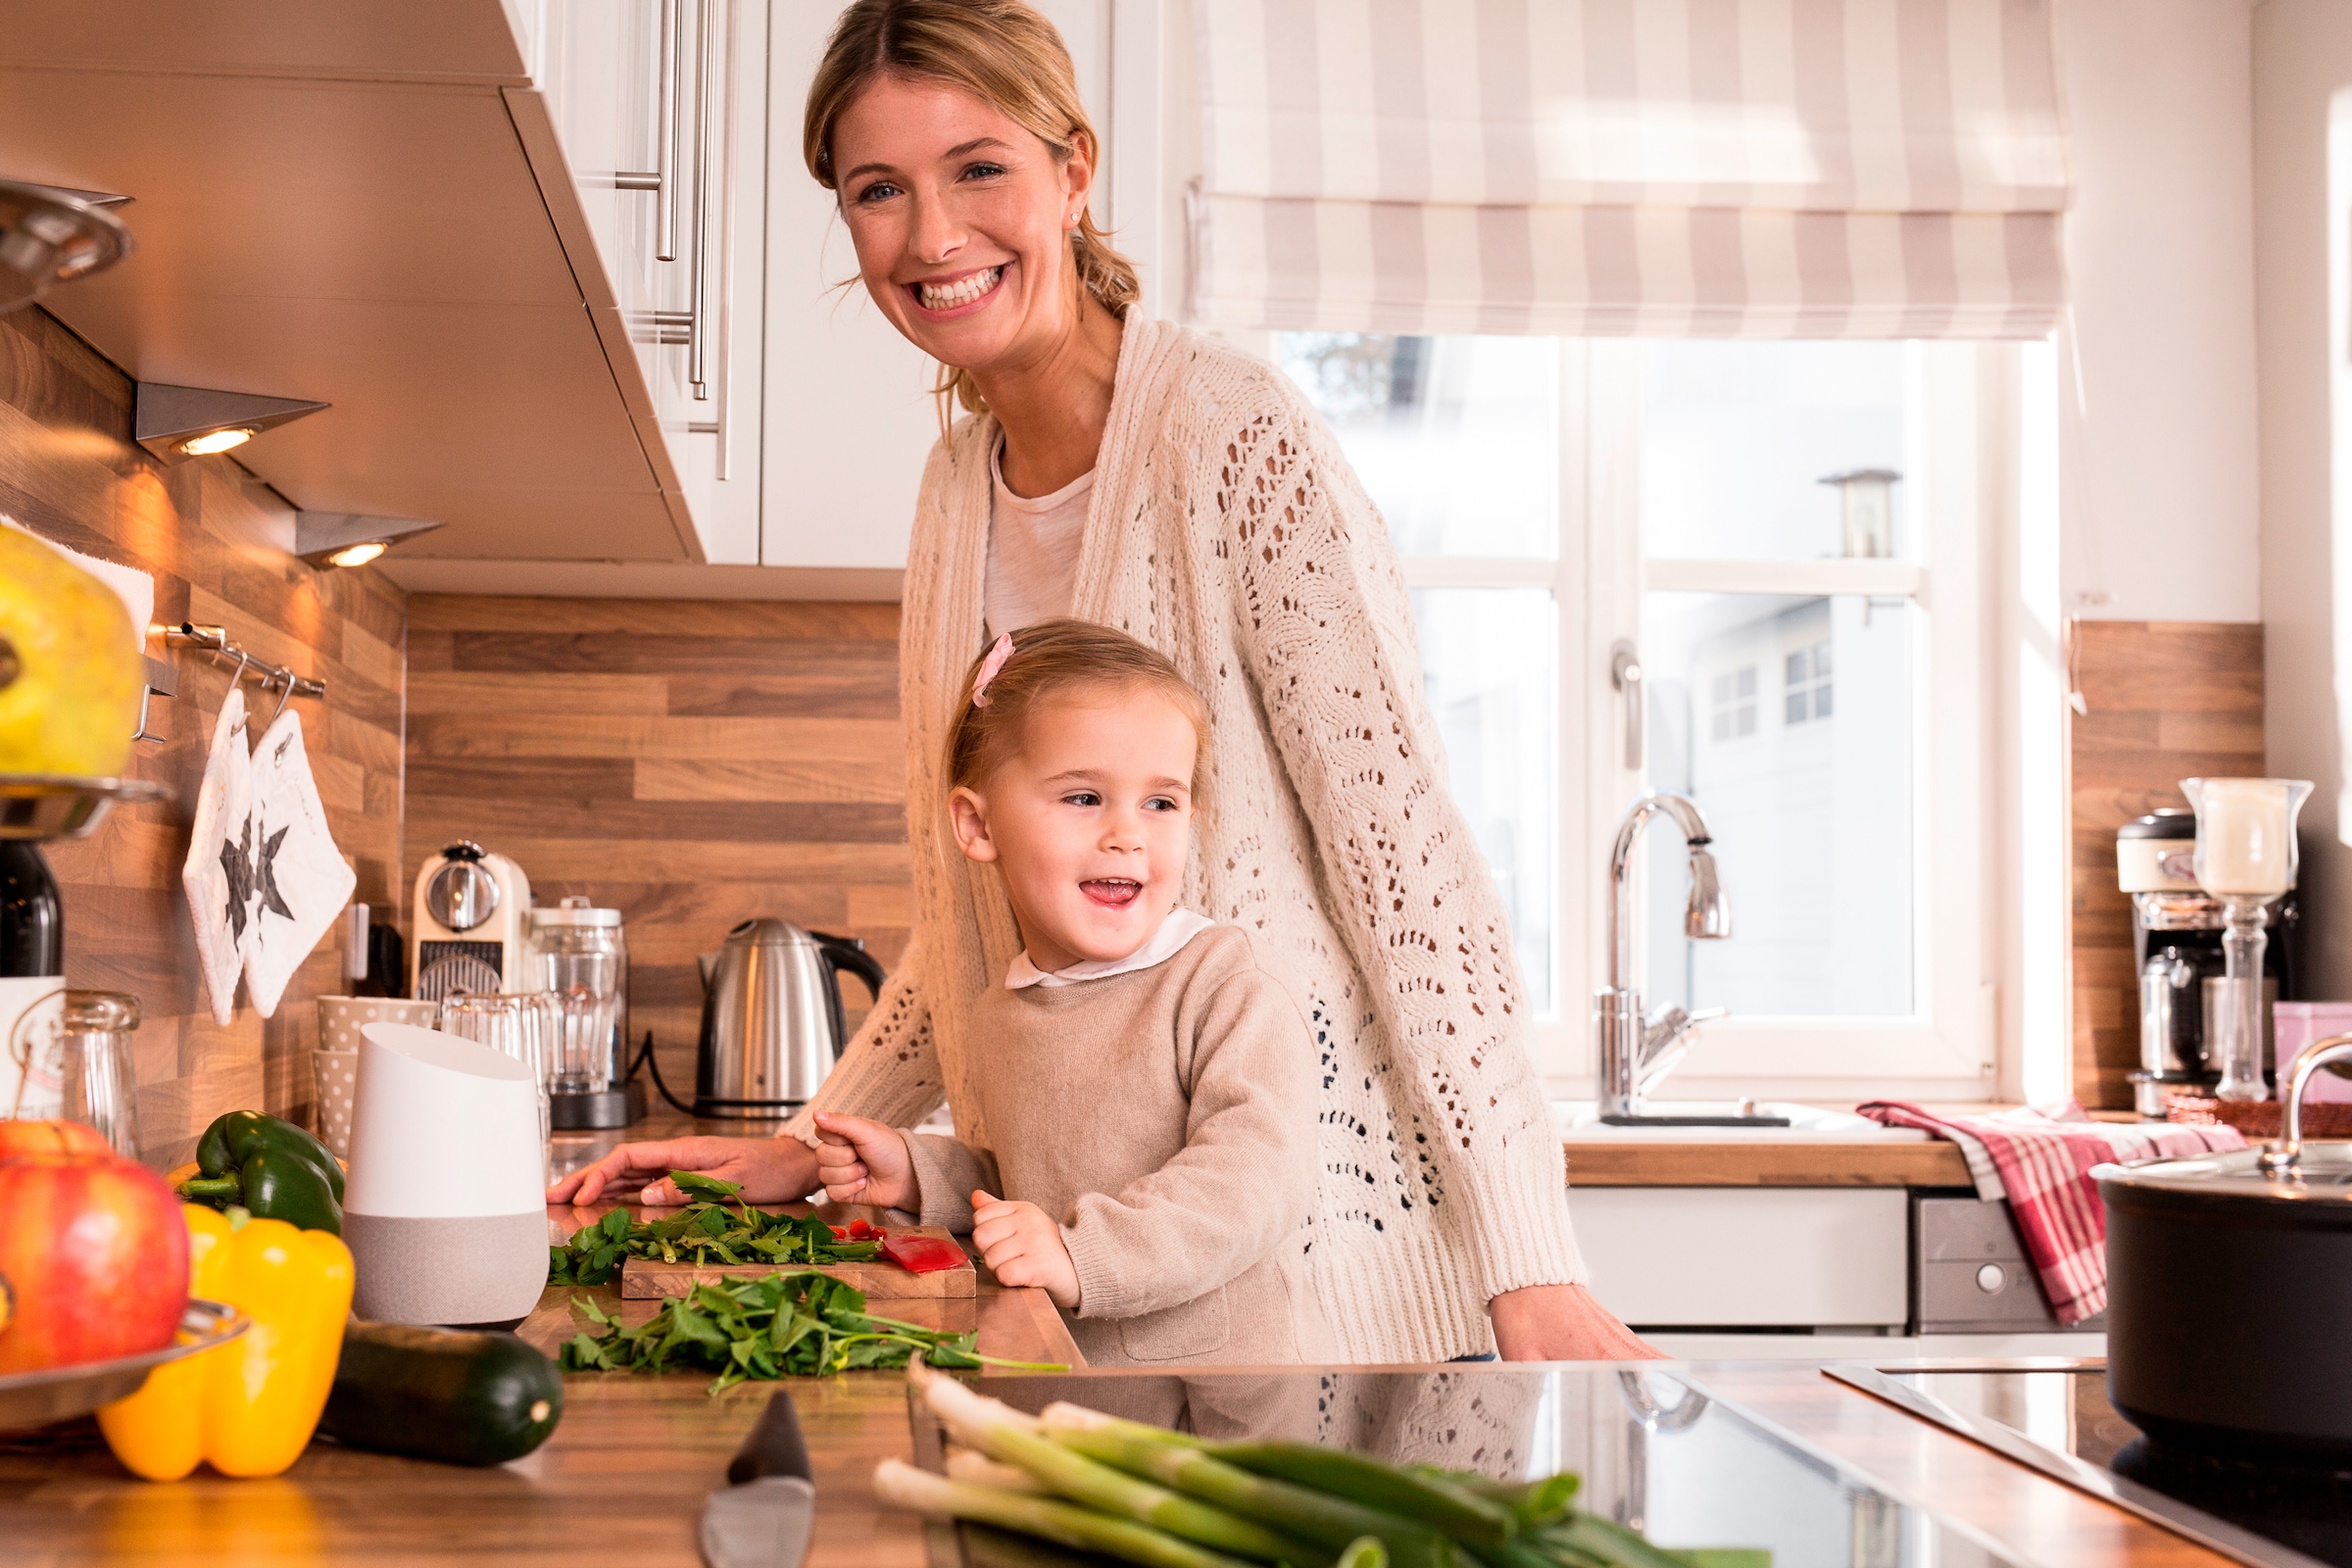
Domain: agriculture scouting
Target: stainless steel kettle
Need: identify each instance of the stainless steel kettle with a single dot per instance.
(773, 1023)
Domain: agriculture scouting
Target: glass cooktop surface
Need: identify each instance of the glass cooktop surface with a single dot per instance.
(1655, 1449)
(2054, 1415)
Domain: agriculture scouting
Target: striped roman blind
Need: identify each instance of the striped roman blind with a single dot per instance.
(1604, 168)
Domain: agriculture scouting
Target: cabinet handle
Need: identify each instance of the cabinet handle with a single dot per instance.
(699, 278)
(726, 233)
(665, 158)
(1625, 673)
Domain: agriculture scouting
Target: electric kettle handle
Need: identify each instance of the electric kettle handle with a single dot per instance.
(848, 953)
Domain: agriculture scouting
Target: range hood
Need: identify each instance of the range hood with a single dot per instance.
(335, 202)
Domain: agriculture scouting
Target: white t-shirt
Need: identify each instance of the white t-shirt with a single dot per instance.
(1031, 551)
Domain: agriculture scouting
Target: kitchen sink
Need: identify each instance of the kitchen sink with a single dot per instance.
(1580, 1119)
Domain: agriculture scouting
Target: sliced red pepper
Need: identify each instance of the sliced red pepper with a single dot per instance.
(922, 1254)
(860, 1231)
(839, 1234)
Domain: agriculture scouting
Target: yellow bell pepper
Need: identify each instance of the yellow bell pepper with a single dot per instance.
(250, 1405)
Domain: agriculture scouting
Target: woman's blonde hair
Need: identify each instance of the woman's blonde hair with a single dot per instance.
(1052, 658)
(1003, 53)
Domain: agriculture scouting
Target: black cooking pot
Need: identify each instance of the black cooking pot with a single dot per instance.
(2230, 1292)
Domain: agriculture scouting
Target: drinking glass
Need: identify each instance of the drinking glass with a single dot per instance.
(520, 1026)
(101, 1075)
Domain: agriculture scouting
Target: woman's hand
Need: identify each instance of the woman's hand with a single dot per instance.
(1562, 1323)
(769, 1170)
(1022, 1246)
(863, 1161)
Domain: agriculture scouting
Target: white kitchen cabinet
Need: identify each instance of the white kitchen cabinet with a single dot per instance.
(654, 158)
(1747, 1257)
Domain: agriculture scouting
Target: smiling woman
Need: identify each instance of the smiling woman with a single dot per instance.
(1125, 472)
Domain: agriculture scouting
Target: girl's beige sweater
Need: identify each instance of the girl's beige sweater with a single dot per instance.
(1227, 531)
(1182, 1213)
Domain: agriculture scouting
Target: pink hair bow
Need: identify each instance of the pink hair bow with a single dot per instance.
(999, 652)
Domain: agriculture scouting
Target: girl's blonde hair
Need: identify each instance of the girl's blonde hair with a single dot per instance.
(1053, 659)
(1003, 53)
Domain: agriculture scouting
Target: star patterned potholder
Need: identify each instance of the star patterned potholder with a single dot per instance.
(218, 875)
(300, 880)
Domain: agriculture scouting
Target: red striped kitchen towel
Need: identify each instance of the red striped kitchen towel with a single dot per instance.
(2041, 1158)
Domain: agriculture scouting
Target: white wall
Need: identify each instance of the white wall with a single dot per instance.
(2303, 81)
(2157, 446)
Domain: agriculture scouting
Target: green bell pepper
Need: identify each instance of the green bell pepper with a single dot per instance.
(270, 1168)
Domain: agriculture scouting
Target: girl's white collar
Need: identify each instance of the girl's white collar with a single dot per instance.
(1180, 927)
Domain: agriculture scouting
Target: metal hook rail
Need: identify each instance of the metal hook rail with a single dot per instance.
(214, 640)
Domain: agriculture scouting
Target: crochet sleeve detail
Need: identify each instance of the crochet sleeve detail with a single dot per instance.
(1403, 881)
(889, 1071)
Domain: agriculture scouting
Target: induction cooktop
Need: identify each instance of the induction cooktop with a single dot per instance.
(1656, 1448)
(2053, 1414)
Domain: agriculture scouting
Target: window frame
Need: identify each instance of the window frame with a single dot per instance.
(1960, 481)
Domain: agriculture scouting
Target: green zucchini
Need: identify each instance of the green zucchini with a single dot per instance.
(450, 1396)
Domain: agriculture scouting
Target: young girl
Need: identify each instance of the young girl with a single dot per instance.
(1147, 1105)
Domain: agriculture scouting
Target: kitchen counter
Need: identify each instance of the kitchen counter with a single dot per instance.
(620, 1481)
(1841, 1151)
(1692, 1156)
(1699, 1161)
(625, 1474)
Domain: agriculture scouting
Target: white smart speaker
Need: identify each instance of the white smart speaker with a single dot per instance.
(445, 1209)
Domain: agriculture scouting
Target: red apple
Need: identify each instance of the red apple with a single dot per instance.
(52, 1138)
(93, 1261)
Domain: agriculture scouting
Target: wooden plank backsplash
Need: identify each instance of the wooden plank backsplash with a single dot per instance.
(2166, 701)
(218, 542)
(692, 764)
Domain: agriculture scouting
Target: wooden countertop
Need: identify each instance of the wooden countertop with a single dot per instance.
(623, 1477)
(1778, 1162)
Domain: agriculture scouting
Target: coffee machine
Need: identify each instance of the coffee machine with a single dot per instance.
(2177, 956)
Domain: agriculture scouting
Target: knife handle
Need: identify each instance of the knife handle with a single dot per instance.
(775, 1446)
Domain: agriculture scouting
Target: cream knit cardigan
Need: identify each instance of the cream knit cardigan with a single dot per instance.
(1227, 531)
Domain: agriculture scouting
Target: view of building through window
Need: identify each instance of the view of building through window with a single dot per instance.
(1788, 717)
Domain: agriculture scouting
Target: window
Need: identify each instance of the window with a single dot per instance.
(1553, 500)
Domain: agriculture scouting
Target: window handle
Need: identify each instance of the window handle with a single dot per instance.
(1625, 673)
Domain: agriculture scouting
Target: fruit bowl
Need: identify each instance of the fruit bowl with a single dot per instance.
(63, 805)
(36, 1399)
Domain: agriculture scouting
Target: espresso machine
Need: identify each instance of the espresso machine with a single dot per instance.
(2177, 954)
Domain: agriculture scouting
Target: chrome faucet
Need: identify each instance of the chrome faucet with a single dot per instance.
(1636, 1050)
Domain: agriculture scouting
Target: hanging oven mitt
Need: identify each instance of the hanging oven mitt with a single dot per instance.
(300, 880)
(218, 875)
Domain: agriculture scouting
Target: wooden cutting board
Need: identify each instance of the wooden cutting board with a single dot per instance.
(649, 1279)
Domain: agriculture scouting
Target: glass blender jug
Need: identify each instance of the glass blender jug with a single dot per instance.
(579, 957)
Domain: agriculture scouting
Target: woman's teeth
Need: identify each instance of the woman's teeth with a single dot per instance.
(947, 296)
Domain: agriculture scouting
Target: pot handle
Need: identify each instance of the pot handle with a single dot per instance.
(848, 953)
(2281, 1157)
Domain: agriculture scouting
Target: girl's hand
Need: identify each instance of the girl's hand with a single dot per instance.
(863, 1161)
(1022, 1246)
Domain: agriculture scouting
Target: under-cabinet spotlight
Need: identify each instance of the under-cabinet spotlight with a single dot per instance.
(204, 445)
(178, 423)
(351, 538)
(52, 234)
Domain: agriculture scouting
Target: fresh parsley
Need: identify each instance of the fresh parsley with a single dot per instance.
(802, 1324)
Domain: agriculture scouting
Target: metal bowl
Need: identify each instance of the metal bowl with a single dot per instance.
(62, 806)
(36, 1399)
